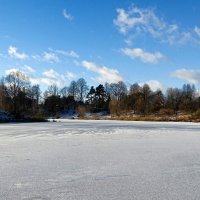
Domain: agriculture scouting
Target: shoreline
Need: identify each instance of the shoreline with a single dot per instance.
(136, 118)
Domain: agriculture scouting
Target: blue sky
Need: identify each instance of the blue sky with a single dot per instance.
(145, 41)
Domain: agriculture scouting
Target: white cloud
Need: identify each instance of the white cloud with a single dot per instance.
(67, 15)
(50, 73)
(70, 75)
(12, 51)
(37, 57)
(184, 38)
(51, 57)
(29, 69)
(144, 56)
(71, 53)
(26, 70)
(49, 81)
(129, 41)
(8, 71)
(125, 21)
(154, 85)
(47, 78)
(45, 81)
(189, 75)
(105, 74)
(197, 30)
(34, 81)
(137, 21)
(52, 77)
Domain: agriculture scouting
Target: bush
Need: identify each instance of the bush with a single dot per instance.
(166, 111)
(114, 108)
(81, 111)
(38, 118)
(197, 113)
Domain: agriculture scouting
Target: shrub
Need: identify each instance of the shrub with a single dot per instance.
(166, 111)
(197, 113)
(81, 111)
(38, 118)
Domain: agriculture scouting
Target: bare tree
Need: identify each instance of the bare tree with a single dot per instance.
(188, 98)
(118, 90)
(82, 88)
(73, 89)
(158, 101)
(134, 89)
(134, 94)
(143, 100)
(174, 96)
(16, 83)
(64, 92)
(35, 95)
(53, 90)
(2, 94)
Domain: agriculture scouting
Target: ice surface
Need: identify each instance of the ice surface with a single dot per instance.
(100, 160)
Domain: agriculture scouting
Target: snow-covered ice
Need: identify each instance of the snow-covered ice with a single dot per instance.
(100, 160)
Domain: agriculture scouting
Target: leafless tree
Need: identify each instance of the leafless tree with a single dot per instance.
(35, 95)
(16, 83)
(82, 88)
(53, 90)
(64, 91)
(73, 89)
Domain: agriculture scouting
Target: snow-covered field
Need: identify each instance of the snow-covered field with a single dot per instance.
(100, 160)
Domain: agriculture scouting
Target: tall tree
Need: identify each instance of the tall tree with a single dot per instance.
(52, 90)
(35, 96)
(134, 94)
(143, 102)
(173, 99)
(82, 89)
(73, 89)
(100, 96)
(91, 96)
(118, 90)
(64, 92)
(16, 82)
(158, 101)
(4, 101)
(188, 98)
(52, 105)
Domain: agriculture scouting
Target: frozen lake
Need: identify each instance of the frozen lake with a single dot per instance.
(100, 160)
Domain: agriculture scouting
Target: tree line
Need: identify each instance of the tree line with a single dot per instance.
(21, 99)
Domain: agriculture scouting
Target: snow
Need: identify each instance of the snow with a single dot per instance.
(100, 160)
